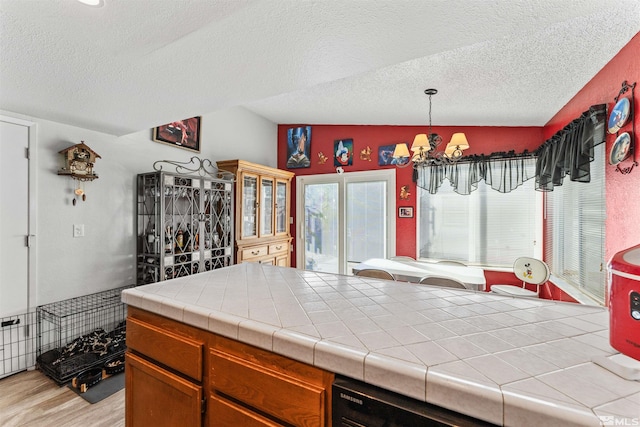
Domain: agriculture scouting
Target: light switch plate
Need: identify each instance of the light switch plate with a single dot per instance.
(78, 230)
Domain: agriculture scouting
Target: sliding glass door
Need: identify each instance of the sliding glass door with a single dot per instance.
(344, 219)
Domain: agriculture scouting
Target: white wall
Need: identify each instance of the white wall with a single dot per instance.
(105, 258)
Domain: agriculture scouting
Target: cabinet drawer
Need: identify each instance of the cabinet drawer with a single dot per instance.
(283, 397)
(177, 352)
(223, 413)
(275, 248)
(254, 252)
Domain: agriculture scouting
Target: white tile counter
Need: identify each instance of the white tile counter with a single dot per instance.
(514, 362)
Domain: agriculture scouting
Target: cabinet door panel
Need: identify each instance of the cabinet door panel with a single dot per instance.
(266, 207)
(249, 200)
(224, 413)
(281, 207)
(155, 397)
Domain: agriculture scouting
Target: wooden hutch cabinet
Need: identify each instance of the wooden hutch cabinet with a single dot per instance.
(263, 201)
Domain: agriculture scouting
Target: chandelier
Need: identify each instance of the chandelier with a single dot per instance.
(425, 146)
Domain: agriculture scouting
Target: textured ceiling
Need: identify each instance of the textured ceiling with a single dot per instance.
(135, 64)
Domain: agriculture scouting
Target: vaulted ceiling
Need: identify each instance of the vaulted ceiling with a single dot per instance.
(131, 65)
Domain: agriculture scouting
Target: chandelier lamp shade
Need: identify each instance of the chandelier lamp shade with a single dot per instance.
(425, 146)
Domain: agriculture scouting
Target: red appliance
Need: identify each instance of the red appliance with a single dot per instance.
(624, 302)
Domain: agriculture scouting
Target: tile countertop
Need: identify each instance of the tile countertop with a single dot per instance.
(509, 361)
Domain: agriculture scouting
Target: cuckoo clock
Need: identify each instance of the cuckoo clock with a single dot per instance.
(78, 162)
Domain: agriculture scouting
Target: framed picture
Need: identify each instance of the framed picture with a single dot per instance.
(343, 149)
(405, 212)
(385, 156)
(298, 147)
(182, 133)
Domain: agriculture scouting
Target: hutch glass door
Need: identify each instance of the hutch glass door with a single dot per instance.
(249, 205)
(281, 207)
(266, 207)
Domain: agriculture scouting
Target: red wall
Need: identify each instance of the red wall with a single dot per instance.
(622, 229)
(481, 139)
(622, 191)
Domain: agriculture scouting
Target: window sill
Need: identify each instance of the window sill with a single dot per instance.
(564, 286)
(573, 292)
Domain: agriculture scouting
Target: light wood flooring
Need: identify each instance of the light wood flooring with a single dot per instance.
(31, 399)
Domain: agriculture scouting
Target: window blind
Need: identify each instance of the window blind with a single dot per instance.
(575, 214)
(486, 227)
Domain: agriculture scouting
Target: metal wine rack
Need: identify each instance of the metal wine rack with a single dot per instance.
(184, 223)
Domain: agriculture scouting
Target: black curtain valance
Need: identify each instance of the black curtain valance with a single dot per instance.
(570, 150)
(504, 172)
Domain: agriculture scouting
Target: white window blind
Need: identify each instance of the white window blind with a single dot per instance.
(575, 214)
(485, 228)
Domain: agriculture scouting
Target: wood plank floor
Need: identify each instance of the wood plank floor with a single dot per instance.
(31, 399)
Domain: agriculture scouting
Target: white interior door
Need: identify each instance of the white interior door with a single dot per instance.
(14, 218)
(344, 219)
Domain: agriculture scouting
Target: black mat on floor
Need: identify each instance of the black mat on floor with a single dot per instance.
(103, 389)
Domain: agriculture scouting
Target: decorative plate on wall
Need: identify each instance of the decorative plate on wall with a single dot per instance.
(619, 115)
(620, 149)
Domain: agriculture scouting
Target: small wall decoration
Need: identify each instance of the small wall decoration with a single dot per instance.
(404, 192)
(619, 115)
(298, 147)
(621, 149)
(182, 133)
(365, 154)
(405, 212)
(78, 162)
(322, 159)
(624, 145)
(343, 149)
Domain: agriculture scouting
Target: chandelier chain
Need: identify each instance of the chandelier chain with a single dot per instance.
(430, 132)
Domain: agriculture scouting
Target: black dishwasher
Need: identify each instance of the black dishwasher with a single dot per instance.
(357, 404)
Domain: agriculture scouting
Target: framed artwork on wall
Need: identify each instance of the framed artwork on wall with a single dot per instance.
(298, 147)
(181, 133)
(405, 212)
(385, 154)
(343, 149)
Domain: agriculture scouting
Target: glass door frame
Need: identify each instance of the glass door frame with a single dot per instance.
(388, 175)
(266, 208)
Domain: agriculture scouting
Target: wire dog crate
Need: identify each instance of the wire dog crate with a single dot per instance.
(80, 333)
(17, 343)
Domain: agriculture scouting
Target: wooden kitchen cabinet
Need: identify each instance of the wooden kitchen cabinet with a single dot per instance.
(164, 370)
(157, 397)
(262, 206)
(267, 388)
(180, 375)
